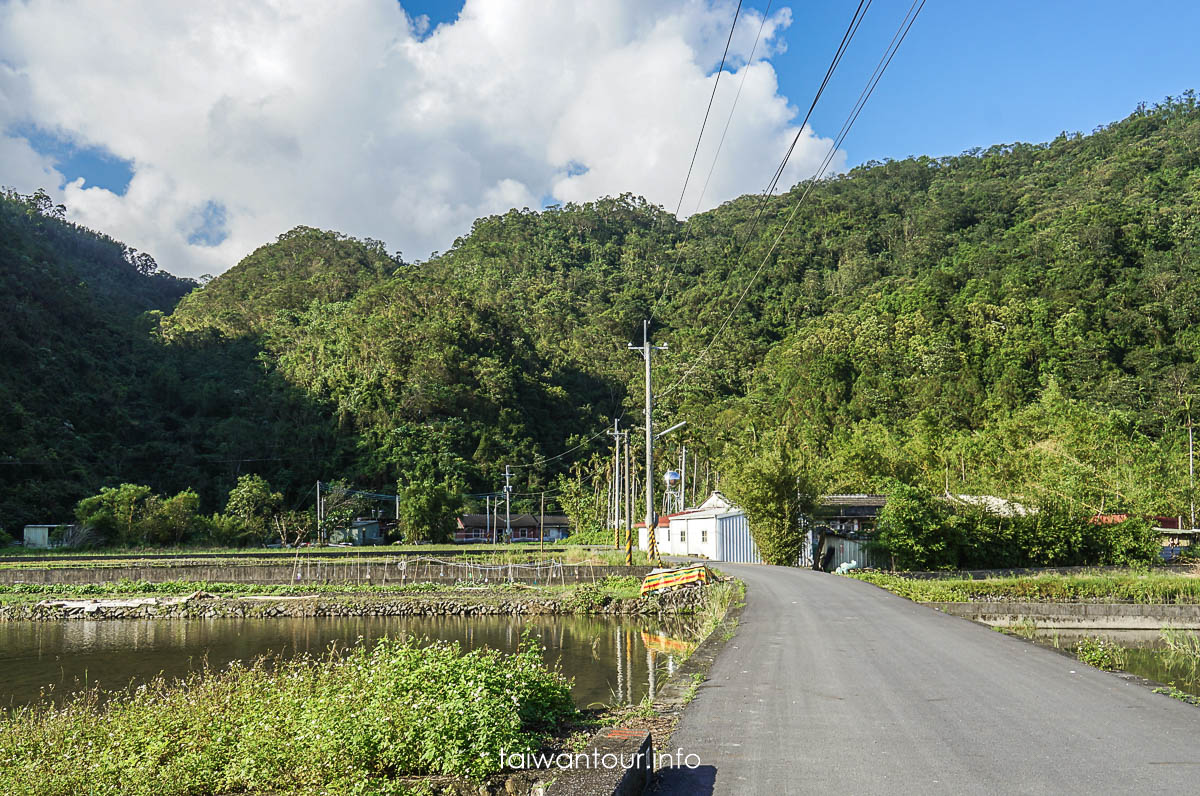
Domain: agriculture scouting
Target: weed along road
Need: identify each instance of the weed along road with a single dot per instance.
(834, 685)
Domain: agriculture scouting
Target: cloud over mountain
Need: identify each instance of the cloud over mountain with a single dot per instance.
(242, 119)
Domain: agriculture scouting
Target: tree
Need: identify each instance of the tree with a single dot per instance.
(173, 520)
(340, 505)
(427, 511)
(580, 501)
(253, 503)
(778, 487)
(115, 513)
(914, 528)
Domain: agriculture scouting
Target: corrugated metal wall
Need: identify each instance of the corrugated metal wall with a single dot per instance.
(847, 550)
(733, 541)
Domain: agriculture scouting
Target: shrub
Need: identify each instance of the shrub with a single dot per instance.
(599, 536)
(1101, 653)
(922, 531)
(914, 528)
(349, 721)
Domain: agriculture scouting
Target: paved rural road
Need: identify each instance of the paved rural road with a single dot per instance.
(834, 685)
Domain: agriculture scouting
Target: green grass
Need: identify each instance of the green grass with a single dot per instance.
(1115, 587)
(1182, 642)
(586, 596)
(349, 722)
(478, 554)
(1175, 693)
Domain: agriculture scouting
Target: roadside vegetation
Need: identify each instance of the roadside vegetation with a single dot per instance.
(1129, 586)
(483, 555)
(351, 721)
(584, 596)
(919, 530)
(1101, 653)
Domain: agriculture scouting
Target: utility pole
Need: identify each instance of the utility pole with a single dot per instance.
(614, 513)
(628, 507)
(542, 525)
(487, 516)
(1191, 472)
(683, 477)
(647, 351)
(507, 503)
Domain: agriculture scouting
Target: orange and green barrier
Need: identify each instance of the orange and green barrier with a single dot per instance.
(670, 578)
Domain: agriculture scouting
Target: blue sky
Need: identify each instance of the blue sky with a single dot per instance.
(974, 73)
(198, 147)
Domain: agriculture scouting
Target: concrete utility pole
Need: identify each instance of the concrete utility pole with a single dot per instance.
(542, 525)
(507, 502)
(614, 504)
(683, 477)
(487, 516)
(647, 354)
(628, 507)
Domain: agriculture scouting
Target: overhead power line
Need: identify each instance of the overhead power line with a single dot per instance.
(855, 21)
(732, 108)
(860, 13)
(708, 110)
(884, 61)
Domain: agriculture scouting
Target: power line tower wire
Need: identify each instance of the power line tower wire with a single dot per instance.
(885, 60)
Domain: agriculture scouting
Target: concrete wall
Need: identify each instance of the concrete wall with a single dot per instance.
(325, 572)
(1076, 616)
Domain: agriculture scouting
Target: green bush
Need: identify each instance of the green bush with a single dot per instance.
(1101, 653)
(914, 528)
(350, 721)
(599, 536)
(921, 531)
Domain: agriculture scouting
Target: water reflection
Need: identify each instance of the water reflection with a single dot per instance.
(1146, 655)
(611, 660)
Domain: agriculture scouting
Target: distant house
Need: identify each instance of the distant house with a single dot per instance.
(716, 530)
(849, 524)
(480, 528)
(556, 527)
(849, 515)
(473, 529)
(991, 504)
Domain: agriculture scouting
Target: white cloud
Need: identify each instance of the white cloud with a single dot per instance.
(356, 117)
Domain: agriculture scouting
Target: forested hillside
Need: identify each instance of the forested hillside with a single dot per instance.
(1017, 321)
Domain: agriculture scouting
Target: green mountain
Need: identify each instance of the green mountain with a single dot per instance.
(1018, 320)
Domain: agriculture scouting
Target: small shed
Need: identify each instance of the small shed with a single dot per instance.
(360, 532)
(556, 527)
(45, 536)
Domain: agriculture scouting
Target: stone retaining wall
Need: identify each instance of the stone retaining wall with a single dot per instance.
(202, 606)
(325, 572)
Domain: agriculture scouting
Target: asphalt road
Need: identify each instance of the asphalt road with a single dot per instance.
(834, 685)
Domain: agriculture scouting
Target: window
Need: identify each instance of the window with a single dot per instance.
(704, 536)
(682, 535)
